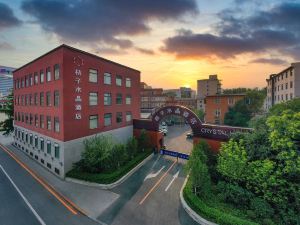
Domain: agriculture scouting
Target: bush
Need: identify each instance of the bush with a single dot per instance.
(132, 147)
(261, 208)
(213, 214)
(234, 194)
(144, 141)
(198, 170)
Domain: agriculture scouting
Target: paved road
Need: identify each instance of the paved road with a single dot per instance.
(151, 195)
(15, 211)
(176, 139)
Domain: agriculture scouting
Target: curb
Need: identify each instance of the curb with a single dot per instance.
(114, 184)
(190, 211)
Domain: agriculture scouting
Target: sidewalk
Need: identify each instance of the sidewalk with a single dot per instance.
(91, 200)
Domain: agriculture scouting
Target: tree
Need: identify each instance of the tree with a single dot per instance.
(198, 169)
(292, 105)
(199, 113)
(144, 141)
(8, 109)
(241, 113)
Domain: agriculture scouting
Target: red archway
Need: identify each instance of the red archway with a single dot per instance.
(178, 110)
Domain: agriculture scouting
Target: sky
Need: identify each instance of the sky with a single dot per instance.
(172, 42)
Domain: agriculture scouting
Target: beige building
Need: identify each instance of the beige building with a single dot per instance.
(283, 86)
(206, 87)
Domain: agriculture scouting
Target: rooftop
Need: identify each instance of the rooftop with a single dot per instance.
(78, 50)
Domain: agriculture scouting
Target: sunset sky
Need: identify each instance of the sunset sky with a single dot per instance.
(172, 42)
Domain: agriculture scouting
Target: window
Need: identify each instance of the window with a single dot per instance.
(48, 147)
(41, 98)
(42, 125)
(291, 96)
(291, 84)
(93, 122)
(42, 76)
(93, 98)
(107, 98)
(36, 99)
(56, 98)
(48, 98)
(291, 73)
(119, 99)
(93, 76)
(30, 119)
(42, 144)
(217, 100)
(119, 80)
(56, 151)
(286, 85)
(217, 112)
(128, 99)
(56, 124)
(30, 80)
(26, 81)
(128, 116)
(107, 78)
(107, 119)
(128, 82)
(31, 139)
(119, 117)
(286, 97)
(36, 78)
(48, 73)
(48, 122)
(36, 120)
(56, 72)
(36, 142)
(230, 101)
(281, 86)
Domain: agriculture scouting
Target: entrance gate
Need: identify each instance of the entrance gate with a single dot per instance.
(213, 134)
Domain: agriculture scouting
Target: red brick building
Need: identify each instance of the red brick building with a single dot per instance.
(66, 95)
(218, 105)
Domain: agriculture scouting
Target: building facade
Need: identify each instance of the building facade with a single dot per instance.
(67, 95)
(283, 86)
(6, 80)
(151, 98)
(218, 105)
(205, 87)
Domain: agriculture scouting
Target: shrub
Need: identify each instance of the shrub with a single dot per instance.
(234, 194)
(261, 208)
(132, 147)
(144, 141)
(198, 169)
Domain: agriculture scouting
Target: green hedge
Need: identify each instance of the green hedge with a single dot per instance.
(108, 177)
(212, 214)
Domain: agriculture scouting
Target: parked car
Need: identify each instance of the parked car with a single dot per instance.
(189, 135)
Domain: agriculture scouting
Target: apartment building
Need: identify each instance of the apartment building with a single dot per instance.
(67, 95)
(218, 105)
(284, 85)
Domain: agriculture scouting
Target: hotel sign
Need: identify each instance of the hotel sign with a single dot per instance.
(77, 87)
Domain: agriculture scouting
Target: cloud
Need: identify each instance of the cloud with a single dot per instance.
(277, 29)
(6, 46)
(145, 51)
(106, 20)
(272, 61)
(7, 17)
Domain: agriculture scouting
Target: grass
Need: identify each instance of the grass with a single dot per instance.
(213, 213)
(108, 177)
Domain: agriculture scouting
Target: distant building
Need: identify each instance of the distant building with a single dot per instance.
(6, 80)
(283, 86)
(205, 87)
(218, 105)
(151, 98)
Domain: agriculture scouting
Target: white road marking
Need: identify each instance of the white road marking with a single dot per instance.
(23, 197)
(174, 177)
(152, 175)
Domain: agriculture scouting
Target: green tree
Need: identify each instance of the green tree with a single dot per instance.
(199, 113)
(292, 105)
(241, 113)
(8, 124)
(132, 147)
(198, 170)
(144, 141)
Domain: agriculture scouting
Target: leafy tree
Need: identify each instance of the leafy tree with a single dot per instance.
(292, 105)
(197, 167)
(241, 113)
(144, 141)
(8, 124)
(199, 113)
(240, 90)
(132, 147)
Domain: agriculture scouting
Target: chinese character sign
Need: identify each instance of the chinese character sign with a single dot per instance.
(78, 89)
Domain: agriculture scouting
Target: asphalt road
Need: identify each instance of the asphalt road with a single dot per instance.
(151, 195)
(15, 211)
